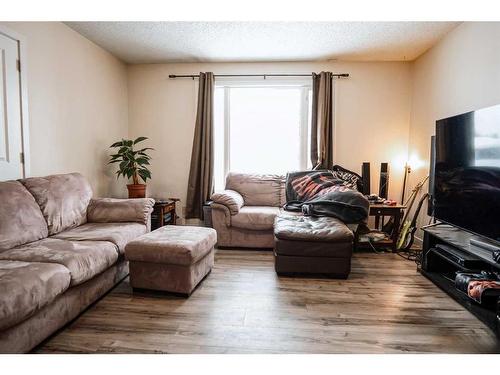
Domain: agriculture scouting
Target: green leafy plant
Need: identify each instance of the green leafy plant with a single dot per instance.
(133, 163)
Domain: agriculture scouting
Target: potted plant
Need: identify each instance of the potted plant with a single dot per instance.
(133, 164)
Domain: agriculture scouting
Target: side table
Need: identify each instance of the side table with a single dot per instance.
(381, 210)
(164, 213)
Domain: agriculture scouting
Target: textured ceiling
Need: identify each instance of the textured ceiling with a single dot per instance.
(156, 42)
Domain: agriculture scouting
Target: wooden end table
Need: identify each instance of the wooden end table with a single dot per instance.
(381, 210)
(164, 213)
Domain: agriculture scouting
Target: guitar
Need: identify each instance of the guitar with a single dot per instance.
(389, 227)
(405, 234)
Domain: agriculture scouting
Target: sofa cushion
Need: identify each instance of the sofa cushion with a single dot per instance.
(83, 259)
(62, 198)
(111, 210)
(311, 229)
(27, 287)
(229, 198)
(117, 233)
(255, 217)
(21, 220)
(257, 190)
(282, 195)
(172, 244)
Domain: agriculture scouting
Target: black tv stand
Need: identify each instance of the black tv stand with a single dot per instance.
(446, 249)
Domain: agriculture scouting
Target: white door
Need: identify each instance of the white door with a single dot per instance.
(11, 143)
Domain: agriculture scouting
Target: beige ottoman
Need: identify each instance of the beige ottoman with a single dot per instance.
(171, 258)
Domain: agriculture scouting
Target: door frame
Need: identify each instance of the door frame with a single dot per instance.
(23, 89)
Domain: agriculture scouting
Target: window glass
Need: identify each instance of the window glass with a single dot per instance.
(260, 130)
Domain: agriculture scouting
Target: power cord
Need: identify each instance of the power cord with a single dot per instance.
(374, 248)
(411, 255)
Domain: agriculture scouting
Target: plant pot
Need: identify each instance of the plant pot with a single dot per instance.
(136, 190)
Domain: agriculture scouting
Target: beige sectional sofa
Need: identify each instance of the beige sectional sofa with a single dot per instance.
(60, 250)
(249, 214)
(243, 214)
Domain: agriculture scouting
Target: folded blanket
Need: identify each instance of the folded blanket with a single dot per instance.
(320, 193)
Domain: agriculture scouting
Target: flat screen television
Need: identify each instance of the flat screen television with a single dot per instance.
(466, 190)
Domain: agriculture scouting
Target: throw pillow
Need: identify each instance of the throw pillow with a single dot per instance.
(352, 179)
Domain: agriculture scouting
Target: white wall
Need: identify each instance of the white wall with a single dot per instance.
(372, 115)
(461, 73)
(78, 104)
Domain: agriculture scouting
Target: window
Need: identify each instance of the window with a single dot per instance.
(261, 128)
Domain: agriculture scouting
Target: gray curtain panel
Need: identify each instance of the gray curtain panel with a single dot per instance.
(200, 184)
(322, 121)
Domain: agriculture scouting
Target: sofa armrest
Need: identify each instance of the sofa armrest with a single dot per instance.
(229, 198)
(221, 216)
(111, 210)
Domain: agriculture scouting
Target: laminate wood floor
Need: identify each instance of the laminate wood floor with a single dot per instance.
(385, 306)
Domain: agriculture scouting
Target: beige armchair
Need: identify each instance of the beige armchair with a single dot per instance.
(243, 214)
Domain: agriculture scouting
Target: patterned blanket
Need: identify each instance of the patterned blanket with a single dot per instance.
(321, 193)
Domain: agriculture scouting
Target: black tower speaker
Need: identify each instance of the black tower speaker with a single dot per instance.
(365, 175)
(432, 171)
(384, 180)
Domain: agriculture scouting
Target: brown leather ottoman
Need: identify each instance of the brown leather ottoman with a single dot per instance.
(171, 258)
(312, 245)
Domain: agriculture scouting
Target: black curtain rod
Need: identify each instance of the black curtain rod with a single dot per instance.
(193, 76)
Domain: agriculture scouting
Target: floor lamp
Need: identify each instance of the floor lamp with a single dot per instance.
(407, 172)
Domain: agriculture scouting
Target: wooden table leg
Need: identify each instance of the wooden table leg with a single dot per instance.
(395, 231)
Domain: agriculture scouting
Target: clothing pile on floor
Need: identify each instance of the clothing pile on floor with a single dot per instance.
(478, 285)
